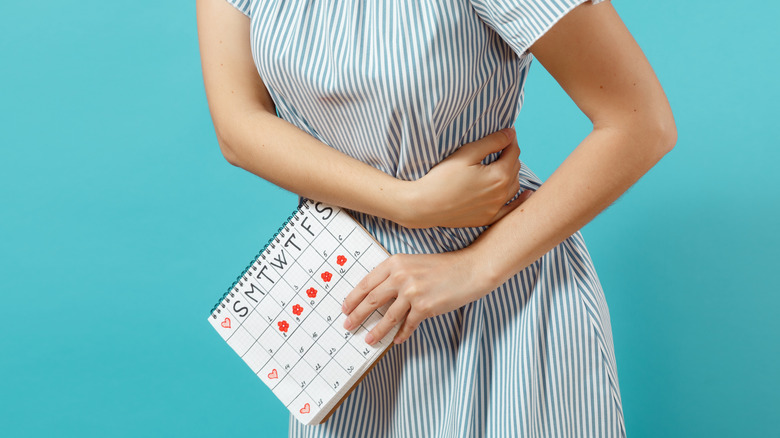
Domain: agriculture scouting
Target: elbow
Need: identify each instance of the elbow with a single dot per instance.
(652, 136)
(666, 133)
(227, 152)
(657, 135)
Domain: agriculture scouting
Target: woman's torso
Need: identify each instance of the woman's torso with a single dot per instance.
(398, 89)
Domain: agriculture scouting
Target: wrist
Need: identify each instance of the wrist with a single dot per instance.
(410, 208)
(483, 263)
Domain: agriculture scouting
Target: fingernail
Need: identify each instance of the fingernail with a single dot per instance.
(347, 325)
(508, 133)
(369, 339)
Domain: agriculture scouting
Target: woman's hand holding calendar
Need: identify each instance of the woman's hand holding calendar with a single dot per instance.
(419, 286)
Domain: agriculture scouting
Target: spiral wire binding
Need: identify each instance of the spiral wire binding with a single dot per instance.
(302, 204)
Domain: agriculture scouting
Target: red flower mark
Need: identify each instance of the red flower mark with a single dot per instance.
(341, 260)
(297, 309)
(326, 276)
(283, 326)
(311, 292)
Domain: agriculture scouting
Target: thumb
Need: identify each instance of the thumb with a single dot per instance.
(476, 151)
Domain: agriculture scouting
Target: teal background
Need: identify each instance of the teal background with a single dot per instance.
(121, 224)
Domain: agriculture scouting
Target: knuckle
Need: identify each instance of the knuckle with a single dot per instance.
(425, 308)
(397, 276)
(497, 179)
(391, 319)
(371, 299)
(429, 306)
(394, 262)
(412, 292)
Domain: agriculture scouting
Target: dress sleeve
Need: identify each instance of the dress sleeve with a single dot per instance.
(244, 6)
(521, 22)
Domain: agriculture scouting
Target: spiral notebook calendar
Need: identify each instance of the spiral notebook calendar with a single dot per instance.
(283, 316)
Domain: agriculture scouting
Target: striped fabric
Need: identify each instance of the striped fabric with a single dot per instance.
(401, 85)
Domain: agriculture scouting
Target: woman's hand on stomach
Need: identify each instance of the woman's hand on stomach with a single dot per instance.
(460, 191)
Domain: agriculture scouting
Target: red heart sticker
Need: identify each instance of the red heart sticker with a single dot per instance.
(341, 260)
(297, 309)
(283, 326)
(311, 292)
(326, 276)
(273, 374)
(305, 409)
(226, 323)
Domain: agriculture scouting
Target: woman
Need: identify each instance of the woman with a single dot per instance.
(402, 113)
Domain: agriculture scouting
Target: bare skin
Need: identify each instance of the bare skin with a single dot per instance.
(596, 61)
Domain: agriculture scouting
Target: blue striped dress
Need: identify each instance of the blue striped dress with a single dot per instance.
(400, 86)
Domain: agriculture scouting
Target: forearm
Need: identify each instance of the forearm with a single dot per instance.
(281, 153)
(599, 170)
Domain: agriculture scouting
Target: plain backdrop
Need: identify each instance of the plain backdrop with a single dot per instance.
(121, 224)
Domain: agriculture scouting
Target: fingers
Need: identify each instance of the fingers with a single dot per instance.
(517, 167)
(413, 320)
(513, 189)
(506, 168)
(366, 285)
(508, 160)
(395, 314)
(372, 301)
(476, 151)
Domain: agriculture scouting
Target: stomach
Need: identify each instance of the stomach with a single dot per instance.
(397, 239)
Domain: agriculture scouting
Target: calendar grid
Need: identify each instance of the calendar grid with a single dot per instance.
(286, 328)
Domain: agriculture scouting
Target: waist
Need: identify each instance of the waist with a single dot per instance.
(398, 239)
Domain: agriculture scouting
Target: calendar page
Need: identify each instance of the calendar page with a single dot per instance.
(283, 317)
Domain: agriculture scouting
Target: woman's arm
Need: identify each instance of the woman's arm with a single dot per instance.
(595, 59)
(597, 62)
(459, 191)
